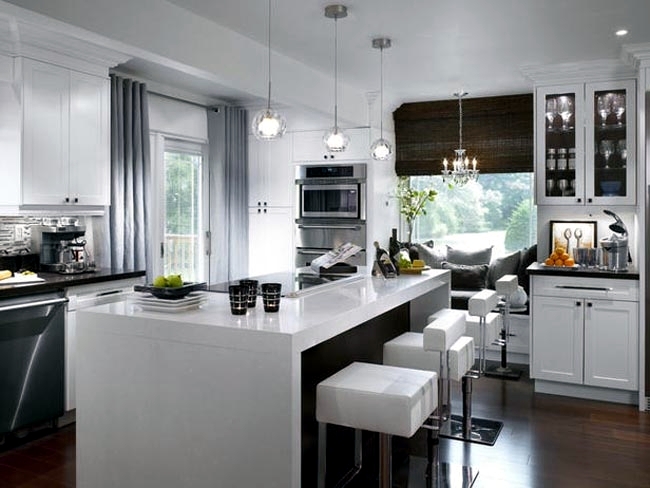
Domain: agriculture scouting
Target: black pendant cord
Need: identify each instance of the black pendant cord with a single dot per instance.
(336, 36)
(268, 105)
(381, 92)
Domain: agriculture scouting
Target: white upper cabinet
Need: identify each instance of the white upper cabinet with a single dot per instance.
(585, 139)
(270, 173)
(308, 146)
(65, 150)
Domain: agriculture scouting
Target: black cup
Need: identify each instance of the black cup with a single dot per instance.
(271, 296)
(252, 291)
(238, 299)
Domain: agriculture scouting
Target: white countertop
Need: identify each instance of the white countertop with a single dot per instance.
(305, 320)
(183, 399)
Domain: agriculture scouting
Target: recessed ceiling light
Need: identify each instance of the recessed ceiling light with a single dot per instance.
(621, 32)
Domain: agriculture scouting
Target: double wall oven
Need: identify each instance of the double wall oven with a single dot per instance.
(332, 210)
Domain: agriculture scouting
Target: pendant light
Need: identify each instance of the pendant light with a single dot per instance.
(381, 150)
(460, 172)
(269, 124)
(335, 140)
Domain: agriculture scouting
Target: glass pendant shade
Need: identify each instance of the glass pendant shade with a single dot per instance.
(268, 125)
(336, 140)
(381, 150)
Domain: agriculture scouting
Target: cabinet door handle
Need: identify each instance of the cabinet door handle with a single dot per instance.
(578, 304)
(589, 304)
(590, 288)
(76, 199)
(259, 204)
(264, 210)
(589, 200)
(259, 210)
(67, 199)
(579, 200)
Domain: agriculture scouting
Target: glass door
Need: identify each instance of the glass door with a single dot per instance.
(610, 151)
(560, 169)
(180, 213)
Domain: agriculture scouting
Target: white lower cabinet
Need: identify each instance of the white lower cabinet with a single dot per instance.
(80, 297)
(582, 336)
(270, 240)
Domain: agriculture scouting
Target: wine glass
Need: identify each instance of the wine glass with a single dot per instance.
(618, 106)
(551, 110)
(622, 152)
(565, 109)
(606, 149)
(604, 108)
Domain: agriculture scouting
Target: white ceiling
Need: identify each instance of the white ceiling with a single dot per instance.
(438, 45)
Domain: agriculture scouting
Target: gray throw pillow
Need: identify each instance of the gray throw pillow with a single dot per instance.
(431, 256)
(467, 277)
(506, 265)
(479, 256)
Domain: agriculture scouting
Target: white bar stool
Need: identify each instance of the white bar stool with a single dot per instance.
(466, 428)
(441, 347)
(506, 286)
(384, 399)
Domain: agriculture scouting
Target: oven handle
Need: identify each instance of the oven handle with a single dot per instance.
(41, 303)
(315, 253)
(322, 226)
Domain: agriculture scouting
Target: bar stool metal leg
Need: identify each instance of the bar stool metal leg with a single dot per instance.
(385, 461)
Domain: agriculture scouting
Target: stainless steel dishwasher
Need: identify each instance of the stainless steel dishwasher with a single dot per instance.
(31, 360)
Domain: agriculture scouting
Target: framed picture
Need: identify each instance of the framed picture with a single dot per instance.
(573, 233)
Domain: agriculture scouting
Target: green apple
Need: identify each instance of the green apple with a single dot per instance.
(174, 281)
(160, 282)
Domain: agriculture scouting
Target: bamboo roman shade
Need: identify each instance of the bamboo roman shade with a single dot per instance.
(498, 131)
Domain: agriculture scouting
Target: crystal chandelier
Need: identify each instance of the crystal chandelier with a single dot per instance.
(268, 124)
(461, 170)
(335, 139)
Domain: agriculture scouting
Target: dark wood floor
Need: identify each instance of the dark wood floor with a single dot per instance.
(547, 441)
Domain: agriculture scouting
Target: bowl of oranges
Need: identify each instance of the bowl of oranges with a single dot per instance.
(560, 258)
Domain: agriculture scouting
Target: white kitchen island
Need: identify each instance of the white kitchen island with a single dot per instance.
(204, 398)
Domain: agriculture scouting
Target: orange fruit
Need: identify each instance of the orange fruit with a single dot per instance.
(559, 262)
(564, 256)
(560, 250)
(569, 262)
(549, 262)
(554, 256)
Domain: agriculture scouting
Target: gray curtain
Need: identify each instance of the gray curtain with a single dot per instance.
(130, 175)
(228, 136)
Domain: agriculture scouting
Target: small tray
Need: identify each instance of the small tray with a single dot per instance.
(544, 265)
(168, 293)
(413, 270)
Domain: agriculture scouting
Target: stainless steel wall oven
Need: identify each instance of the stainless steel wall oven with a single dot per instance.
(331, 210)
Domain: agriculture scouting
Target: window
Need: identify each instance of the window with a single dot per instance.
(496, 210)
(180, 216)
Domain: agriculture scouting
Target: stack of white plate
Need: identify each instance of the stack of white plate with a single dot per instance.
(148, 302)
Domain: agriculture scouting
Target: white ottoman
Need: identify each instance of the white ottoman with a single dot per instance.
(385, 399)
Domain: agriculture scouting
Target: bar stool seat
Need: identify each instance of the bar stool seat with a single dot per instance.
(377, 397)
(385, 399)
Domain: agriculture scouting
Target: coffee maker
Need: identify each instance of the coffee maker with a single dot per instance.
(61, 245)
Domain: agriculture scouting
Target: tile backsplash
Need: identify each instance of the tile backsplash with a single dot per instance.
(8, 226)
(94, 233)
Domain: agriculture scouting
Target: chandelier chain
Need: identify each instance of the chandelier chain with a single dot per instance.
(336, 73)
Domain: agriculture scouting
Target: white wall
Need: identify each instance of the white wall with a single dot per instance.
(174, 117)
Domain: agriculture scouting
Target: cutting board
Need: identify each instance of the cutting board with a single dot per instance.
(16, 280)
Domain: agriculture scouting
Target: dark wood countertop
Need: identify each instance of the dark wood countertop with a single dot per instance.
(538, 269)
(54, 281)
